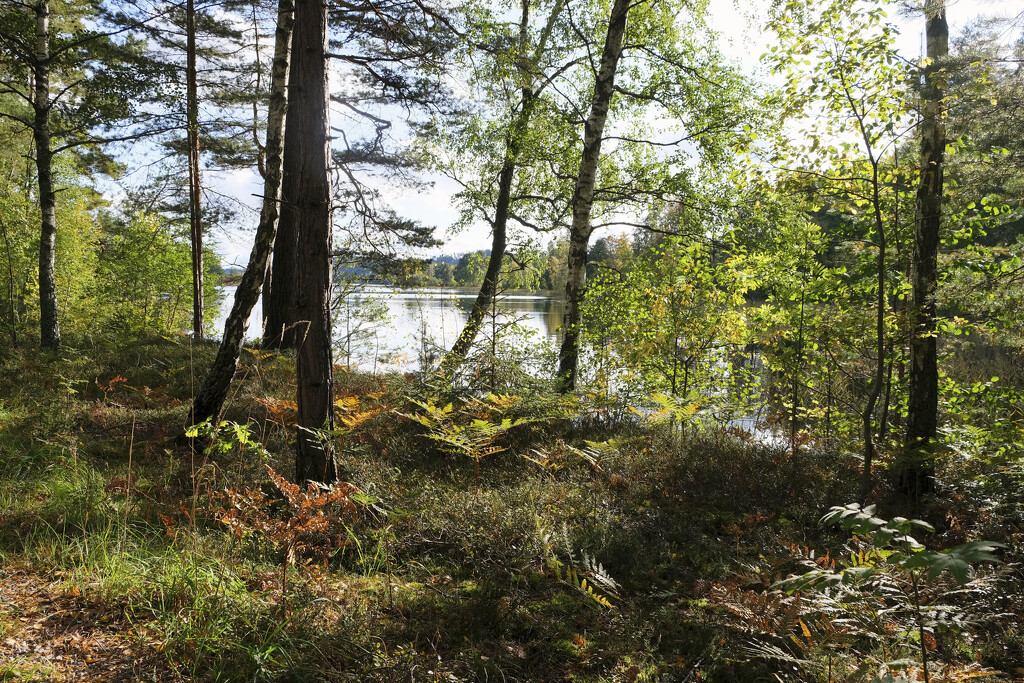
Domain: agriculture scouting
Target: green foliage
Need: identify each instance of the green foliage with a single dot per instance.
(471, 430)
(357, 316)
(890, 547)
(144, 276)
(847, 91)
(19, 232)
(670, 323)
(120, 274)
(455, 572)
(100, 81)
(577, 577)
(892, 574)
(78, 266)
(783, 289)
(225, 437)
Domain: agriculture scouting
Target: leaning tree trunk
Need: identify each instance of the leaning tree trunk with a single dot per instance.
(194, 186)
(211, 396)
(489, 289)
(922, 405)
(513, 148)
(49, 325)
(311, 201)
(583, 196)
(281, 320)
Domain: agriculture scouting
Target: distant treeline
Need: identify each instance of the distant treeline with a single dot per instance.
(533, 269)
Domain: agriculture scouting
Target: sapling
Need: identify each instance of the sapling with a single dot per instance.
(889, 550)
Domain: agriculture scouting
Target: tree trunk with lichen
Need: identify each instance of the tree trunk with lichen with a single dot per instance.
(194, 185)
(49, 332)
(916, 477)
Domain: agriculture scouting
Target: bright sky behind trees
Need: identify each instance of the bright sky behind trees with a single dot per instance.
(743, 39)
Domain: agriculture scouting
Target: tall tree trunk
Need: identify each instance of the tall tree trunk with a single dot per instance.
(281, 321)
(583, 196)
(867, 416)
(488, 290)
(49, 325)
(10, 287)
(311, 202)
(499, 226)
(194, 186)
(211, 396)
(922, 405)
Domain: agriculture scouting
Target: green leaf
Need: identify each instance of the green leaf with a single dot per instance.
(957, 561)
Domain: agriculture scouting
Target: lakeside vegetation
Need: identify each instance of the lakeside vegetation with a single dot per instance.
(782, 435)
(190, 566)
(531, 269)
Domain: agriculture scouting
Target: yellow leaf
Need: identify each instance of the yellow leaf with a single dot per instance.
(807, 631)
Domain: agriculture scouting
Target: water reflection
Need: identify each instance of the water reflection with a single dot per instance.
(379, 328)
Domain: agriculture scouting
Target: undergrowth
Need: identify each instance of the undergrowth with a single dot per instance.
(500, 538)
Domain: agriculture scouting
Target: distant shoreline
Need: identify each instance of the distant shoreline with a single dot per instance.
(233, 280)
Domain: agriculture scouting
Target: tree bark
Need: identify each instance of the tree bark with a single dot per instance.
(489, 289)
(506, 176)
(280, 316)
(583, 196)
(922, 405)
(211, 396)
(309, 146)
(281, 326)
(194, 185)
(867, 415)
(49, 325)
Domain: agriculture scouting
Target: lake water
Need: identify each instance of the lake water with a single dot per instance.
(381, 329)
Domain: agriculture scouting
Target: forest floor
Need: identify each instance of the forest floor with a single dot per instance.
(49, 632)
(581, 544)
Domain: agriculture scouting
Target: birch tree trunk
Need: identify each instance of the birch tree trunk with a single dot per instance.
(49, 325)
(867, 415)
(922, 405)
(281, 327)
(583, 195)
(513, 149)
(194, 185)
(211, 396)
(489, 289)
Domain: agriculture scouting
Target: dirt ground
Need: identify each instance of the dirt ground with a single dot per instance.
(49, 632)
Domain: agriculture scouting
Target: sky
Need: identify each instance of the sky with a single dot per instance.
(743, 40)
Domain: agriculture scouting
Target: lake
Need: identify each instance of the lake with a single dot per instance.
(381, 329)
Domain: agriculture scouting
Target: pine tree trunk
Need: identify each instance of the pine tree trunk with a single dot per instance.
(311, 202)
(922, 405)
(49, 325)
(211, 396)
(194, 185)
(583, 196)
